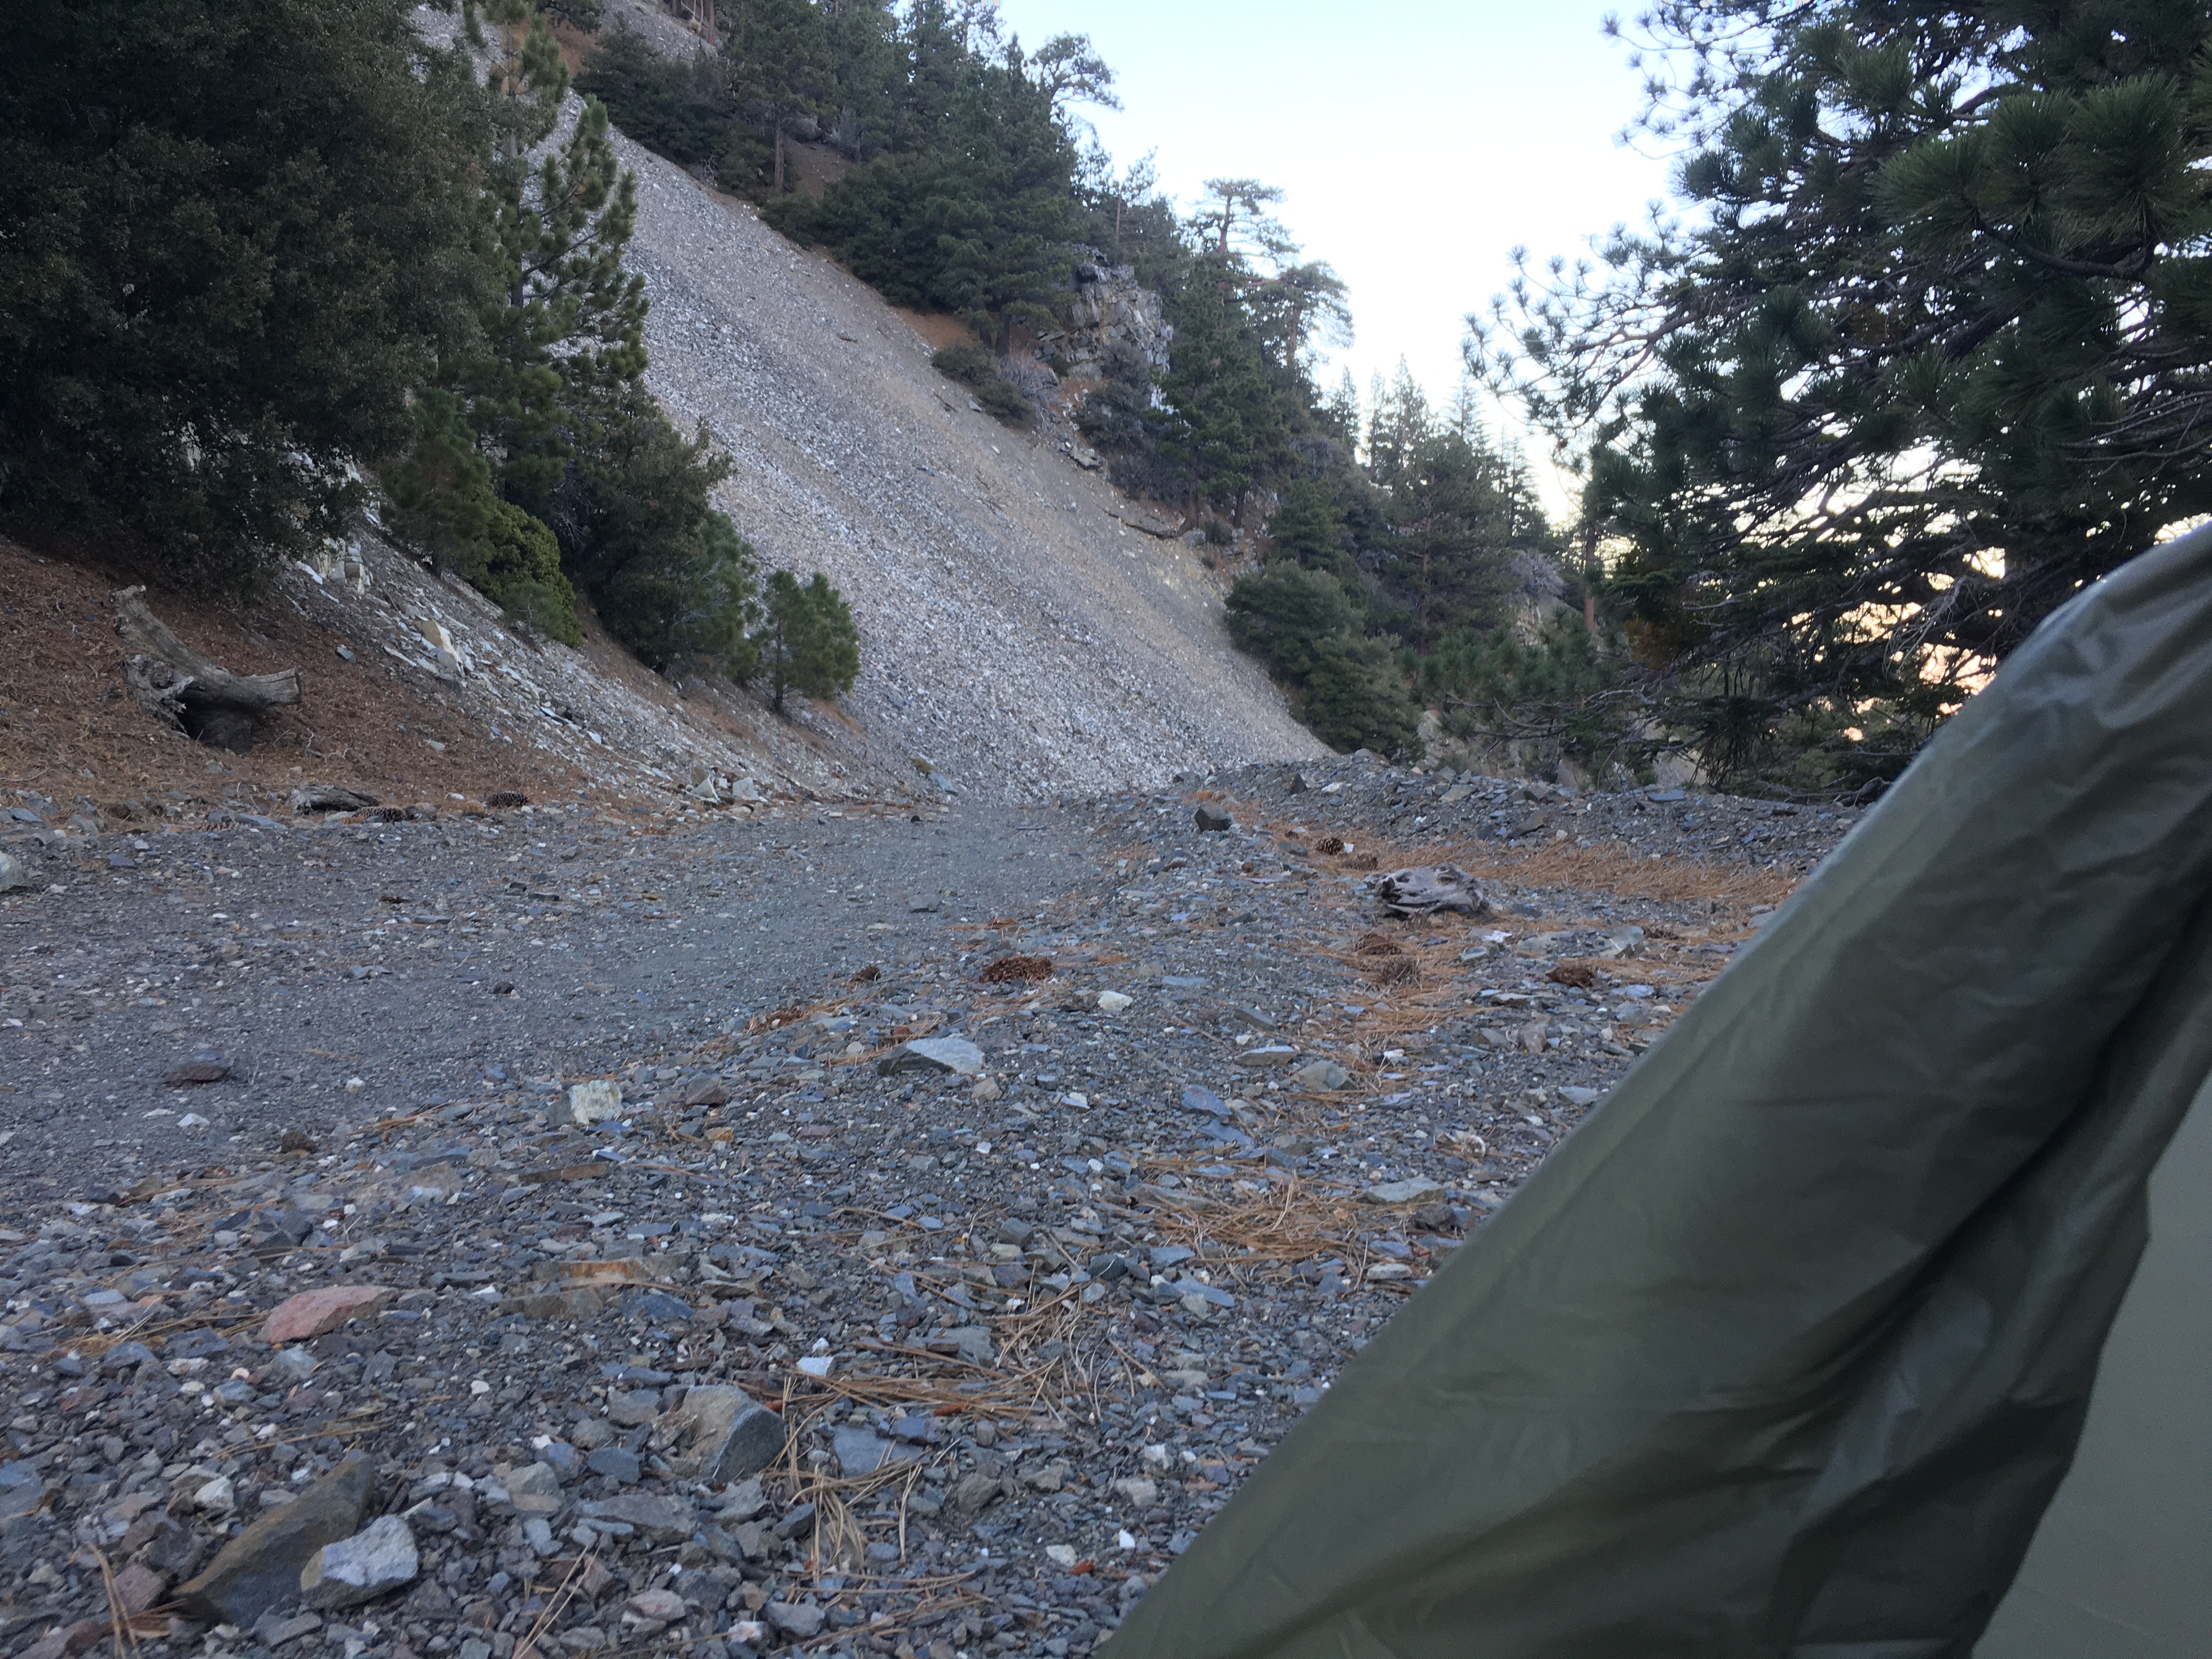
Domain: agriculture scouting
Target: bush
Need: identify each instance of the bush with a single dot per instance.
(808, 644)
(237, 235)
(1301, 624)
(966, 361)
(974, 367)
(518, 568)
(439, 489)
(640, 536)
(678, 110)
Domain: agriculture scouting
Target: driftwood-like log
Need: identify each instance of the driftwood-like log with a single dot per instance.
(183, 690)
(1429, 888)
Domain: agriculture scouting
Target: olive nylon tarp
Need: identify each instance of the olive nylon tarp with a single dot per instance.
(1785, 1350)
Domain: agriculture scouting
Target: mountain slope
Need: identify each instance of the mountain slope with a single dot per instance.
(1013, 631)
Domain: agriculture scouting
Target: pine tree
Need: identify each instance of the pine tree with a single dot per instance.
(1227, 434)
(864, 73)
(237, 240)
(1307, 528)
(1004, 209)
(780, 64)
(808, 643)
(1929, 356)
(566, 333)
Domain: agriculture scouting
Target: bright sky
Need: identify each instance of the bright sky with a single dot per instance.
(1418, 141)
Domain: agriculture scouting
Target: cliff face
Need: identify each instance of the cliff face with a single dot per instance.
(1015, 632)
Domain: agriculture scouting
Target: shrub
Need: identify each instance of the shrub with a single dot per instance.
(974, 367)
(640, 536)
(808, 644)
(237, 235)
(518, 568)
(1302, 625)
(967, 361)
(679, 110)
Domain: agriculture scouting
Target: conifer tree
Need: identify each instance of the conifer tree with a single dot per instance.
(808, 643)
(1930, 356)
(566, 332)
(1003, 210)
(1227, 433)
(236, 242)
(780, 60)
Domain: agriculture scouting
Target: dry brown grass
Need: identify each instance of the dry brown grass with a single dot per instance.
(362, 723)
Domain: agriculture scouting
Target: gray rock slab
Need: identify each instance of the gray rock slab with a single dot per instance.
(725, 1435)
(377, 1559)
(258, 1571)
(941, 1056)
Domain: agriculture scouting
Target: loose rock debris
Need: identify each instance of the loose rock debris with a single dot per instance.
(926, 1316)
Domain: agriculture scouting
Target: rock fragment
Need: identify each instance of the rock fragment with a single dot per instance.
(725, 1435)
(258, 1571)
(312, 1312)
(938, 1056)
(380, 1558)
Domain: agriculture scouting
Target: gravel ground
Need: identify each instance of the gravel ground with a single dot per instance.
(1019, 1326)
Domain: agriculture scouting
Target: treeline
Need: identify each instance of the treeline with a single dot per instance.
(273, 250)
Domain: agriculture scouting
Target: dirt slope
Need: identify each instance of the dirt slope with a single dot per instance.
(1013, 630)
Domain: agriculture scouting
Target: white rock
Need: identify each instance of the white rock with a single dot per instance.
(381, 1557)
(218, 1497)
(1112, 1002)
(13, 874)
(594, 1102)
(1419, 1190)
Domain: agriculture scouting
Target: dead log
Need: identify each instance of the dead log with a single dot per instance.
(1429, 888)
(184, 690)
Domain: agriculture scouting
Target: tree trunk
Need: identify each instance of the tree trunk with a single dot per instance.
(1006, 335)
(184, 690)
(778, 124)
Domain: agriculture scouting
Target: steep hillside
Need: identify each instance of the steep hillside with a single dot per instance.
(1015, 631)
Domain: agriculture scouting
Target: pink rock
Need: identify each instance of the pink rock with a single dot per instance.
(139, 1587)
(312, 1312)
(665, 1607)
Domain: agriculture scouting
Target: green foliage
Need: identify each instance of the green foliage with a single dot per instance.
(440, 488)
(1927, 357)
(976, 367)
(237, 239)
(682, 111)
(966, 361)
(1227, 433)
(1561, 693)
(780, 64)
(585, 14)
(566, 332)
(808, 643)
(1302, 625)
(517, 568)
(977, 225)
(1307, 528)
(642, 539)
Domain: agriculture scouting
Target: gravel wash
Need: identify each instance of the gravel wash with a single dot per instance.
(914, 1277)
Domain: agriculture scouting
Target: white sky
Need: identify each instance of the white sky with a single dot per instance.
(1418, 141)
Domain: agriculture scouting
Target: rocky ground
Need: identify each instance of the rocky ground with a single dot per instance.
(828, 1233)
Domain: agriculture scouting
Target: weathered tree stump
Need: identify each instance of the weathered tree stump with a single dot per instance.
(186, 691)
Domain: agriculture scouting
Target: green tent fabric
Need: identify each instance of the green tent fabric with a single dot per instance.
(1786, 1349)
(2120, 1567)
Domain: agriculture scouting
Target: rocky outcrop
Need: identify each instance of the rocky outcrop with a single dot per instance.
(1113, 317)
